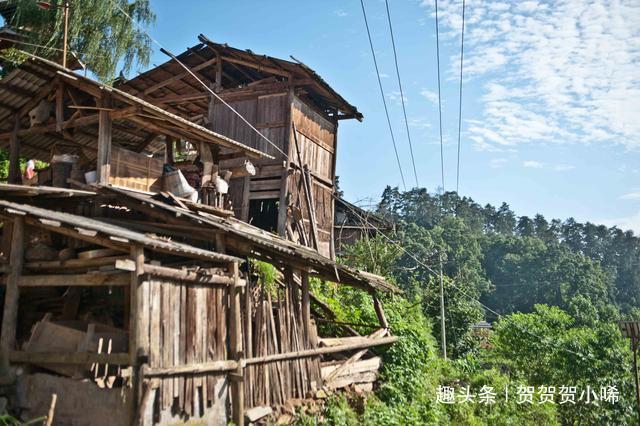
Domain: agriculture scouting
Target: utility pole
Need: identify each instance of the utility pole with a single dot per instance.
(443, 330)
(631, 330)
(45, 5)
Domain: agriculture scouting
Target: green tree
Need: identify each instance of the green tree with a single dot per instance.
(101, 35)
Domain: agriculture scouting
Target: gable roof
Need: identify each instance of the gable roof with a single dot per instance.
(170, 84)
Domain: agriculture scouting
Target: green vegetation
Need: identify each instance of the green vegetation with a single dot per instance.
(99, 33)
(559, 288)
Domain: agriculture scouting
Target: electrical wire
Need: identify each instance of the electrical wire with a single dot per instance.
(404, 109)
(460, 99)
(460, 290)
(439, 96)
(164, 50)
(384, 102)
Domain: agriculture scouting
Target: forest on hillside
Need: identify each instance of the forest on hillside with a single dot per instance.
(552, 290)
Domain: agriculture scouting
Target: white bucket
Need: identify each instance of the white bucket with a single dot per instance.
(91, 177)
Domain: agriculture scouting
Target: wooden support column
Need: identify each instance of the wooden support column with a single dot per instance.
(11, 296)
(306, 308)
(380, 312)
(14, 152)
(138, 325)
(169, 150)
(235, 346)
(105, 129)
(59, 107)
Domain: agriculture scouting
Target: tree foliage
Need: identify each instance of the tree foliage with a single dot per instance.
(101, 36)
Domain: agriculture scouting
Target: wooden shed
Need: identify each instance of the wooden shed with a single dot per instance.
(143, 304)
(290, 105)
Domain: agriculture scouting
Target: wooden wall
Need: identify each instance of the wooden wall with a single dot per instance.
(316, 137)
(187, 325)
(269, 114)
(273, 115)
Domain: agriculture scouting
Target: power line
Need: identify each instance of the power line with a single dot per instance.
(404, 109)
(384, 102)
(162, 48)
(439, 96)
(460, 100)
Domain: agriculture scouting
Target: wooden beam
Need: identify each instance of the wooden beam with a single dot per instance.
(71, 264)
(380, 312)
(12, 294)
(191, 276)
(74, 280)
(74, 358)
(179, 76)
(306, 308)
(142, 145)
(38, 130)
(59, 106)
(103, 159)
(14, 152)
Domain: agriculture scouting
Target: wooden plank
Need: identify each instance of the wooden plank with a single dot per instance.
(59, 106)
(191, 369)
(14, 153)
(306, 308)
(72, 358)
(138, 327)
(71, 264)
(177, 77)
(235, 345)
(191, 276)
(103, 160)
(73, 280)
(380, 312)
(12, 294)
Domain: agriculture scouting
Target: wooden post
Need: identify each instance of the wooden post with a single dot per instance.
(138, 324)
(235, 346)
(380, 312)
(169, 150)
(12, 295)
(139, 329)
(59, 107)
(284, 179)
(306, 307)
(14, 152)
(104, 141)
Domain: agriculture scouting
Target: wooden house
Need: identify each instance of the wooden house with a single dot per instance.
(352, 224)
(290, 105)
(142, 305)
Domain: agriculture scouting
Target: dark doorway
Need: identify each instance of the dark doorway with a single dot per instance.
(264, 214)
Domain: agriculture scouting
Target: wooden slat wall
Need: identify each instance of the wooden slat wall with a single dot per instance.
(188, 325)
(276, 331)
(316, 137)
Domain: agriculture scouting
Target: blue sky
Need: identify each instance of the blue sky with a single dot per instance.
(551, 97)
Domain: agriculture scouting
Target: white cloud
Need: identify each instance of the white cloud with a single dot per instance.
(340, 13)
(396, 98)
(625, 223)
(531, 164)
(497, 163)
(560, 74)
(383, 75)
(563, 167)
(634, 196)
(430, 96)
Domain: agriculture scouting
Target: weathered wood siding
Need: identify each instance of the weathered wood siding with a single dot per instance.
(269, 114)
(317, 140)
(187, 325)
